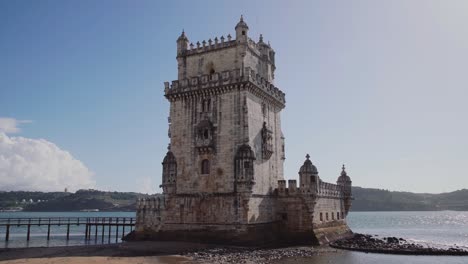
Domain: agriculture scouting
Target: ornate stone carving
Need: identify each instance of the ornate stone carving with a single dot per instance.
(244, 168)
(204, 137)
(169, 174)
(267, 142)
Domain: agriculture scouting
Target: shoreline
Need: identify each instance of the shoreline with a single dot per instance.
(393, 245)
(170, 251)
(175, 252)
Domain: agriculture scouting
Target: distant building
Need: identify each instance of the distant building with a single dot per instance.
(222, 176)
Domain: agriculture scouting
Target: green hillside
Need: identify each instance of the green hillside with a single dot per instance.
(365, 199)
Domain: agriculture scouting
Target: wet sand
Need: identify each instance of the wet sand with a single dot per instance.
(135, 253)
(99, 260)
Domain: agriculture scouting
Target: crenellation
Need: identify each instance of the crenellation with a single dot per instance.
(227, 77)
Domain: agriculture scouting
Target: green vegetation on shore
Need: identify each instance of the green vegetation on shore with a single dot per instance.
(368, 199)
(64, 201)
(365, 199)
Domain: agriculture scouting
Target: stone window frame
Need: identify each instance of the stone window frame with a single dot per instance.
(206, 105)
(321, 217)
(326, 216)
(205, 167)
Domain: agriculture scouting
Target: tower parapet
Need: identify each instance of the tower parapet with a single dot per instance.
(223, 82)
(221, 54)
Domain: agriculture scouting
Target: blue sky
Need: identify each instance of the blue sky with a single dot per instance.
(377, 85)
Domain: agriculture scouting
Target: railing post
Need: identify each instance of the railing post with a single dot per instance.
(95, 230)
(68, 229)
(109, 236)
(48, 230)
(123, 227)
(102, 235)
(86, 231)
(117, 231)
(7, 235)
(29, 229)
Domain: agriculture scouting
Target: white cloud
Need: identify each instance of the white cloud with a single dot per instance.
(11, 125)
(146, 185)
(38, 165)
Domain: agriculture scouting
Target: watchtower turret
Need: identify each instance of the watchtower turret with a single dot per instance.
(241, 30)
(308, 177)
(345, 182)
(182, 43)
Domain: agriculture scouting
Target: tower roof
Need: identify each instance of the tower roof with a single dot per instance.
(308, 167)
(344, 176)
(182, 36)
(242, 23)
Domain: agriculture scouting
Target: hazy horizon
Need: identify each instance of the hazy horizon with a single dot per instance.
(378, 86)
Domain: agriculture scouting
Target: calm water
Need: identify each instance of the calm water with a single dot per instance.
(444, 228)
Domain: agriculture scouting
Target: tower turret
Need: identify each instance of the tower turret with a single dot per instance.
(169, 175)
(308, 177)
(182, 43)
(241, 30)
(345, 182)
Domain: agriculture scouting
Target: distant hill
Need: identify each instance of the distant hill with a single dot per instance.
(365, 199)
(62, 201)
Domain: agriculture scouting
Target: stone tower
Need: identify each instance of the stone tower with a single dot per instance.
(222, 176)
(224, 123)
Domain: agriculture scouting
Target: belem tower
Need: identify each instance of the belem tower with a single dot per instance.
(222, 176)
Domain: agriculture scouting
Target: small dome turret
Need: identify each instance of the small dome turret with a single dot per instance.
(182, 43)
(308, 167)
(169, 158)
(182, 36)
(242, 24)
(241, 30)
(344, 178)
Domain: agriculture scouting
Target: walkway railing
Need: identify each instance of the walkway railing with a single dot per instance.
(89, 223)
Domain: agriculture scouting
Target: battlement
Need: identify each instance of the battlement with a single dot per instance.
(325, 189)
(224, 78)
(221, 43)
(330, 189)
(210, 45)
(152, 203)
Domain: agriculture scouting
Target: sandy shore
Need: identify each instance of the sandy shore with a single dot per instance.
(107, 260)
(135, 253)
(154, 252)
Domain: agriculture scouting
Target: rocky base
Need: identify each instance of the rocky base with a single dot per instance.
(393, 245)
(249, 255)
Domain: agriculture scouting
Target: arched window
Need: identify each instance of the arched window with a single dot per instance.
(206, 105)
(205, 167)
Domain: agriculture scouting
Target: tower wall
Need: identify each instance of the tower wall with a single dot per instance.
(267, 171)
(207, 59)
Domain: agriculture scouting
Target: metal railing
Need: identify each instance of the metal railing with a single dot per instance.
(87, 222)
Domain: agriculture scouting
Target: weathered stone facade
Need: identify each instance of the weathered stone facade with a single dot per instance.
(223, 173)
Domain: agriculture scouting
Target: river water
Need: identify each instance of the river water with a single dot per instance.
(441, 228)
